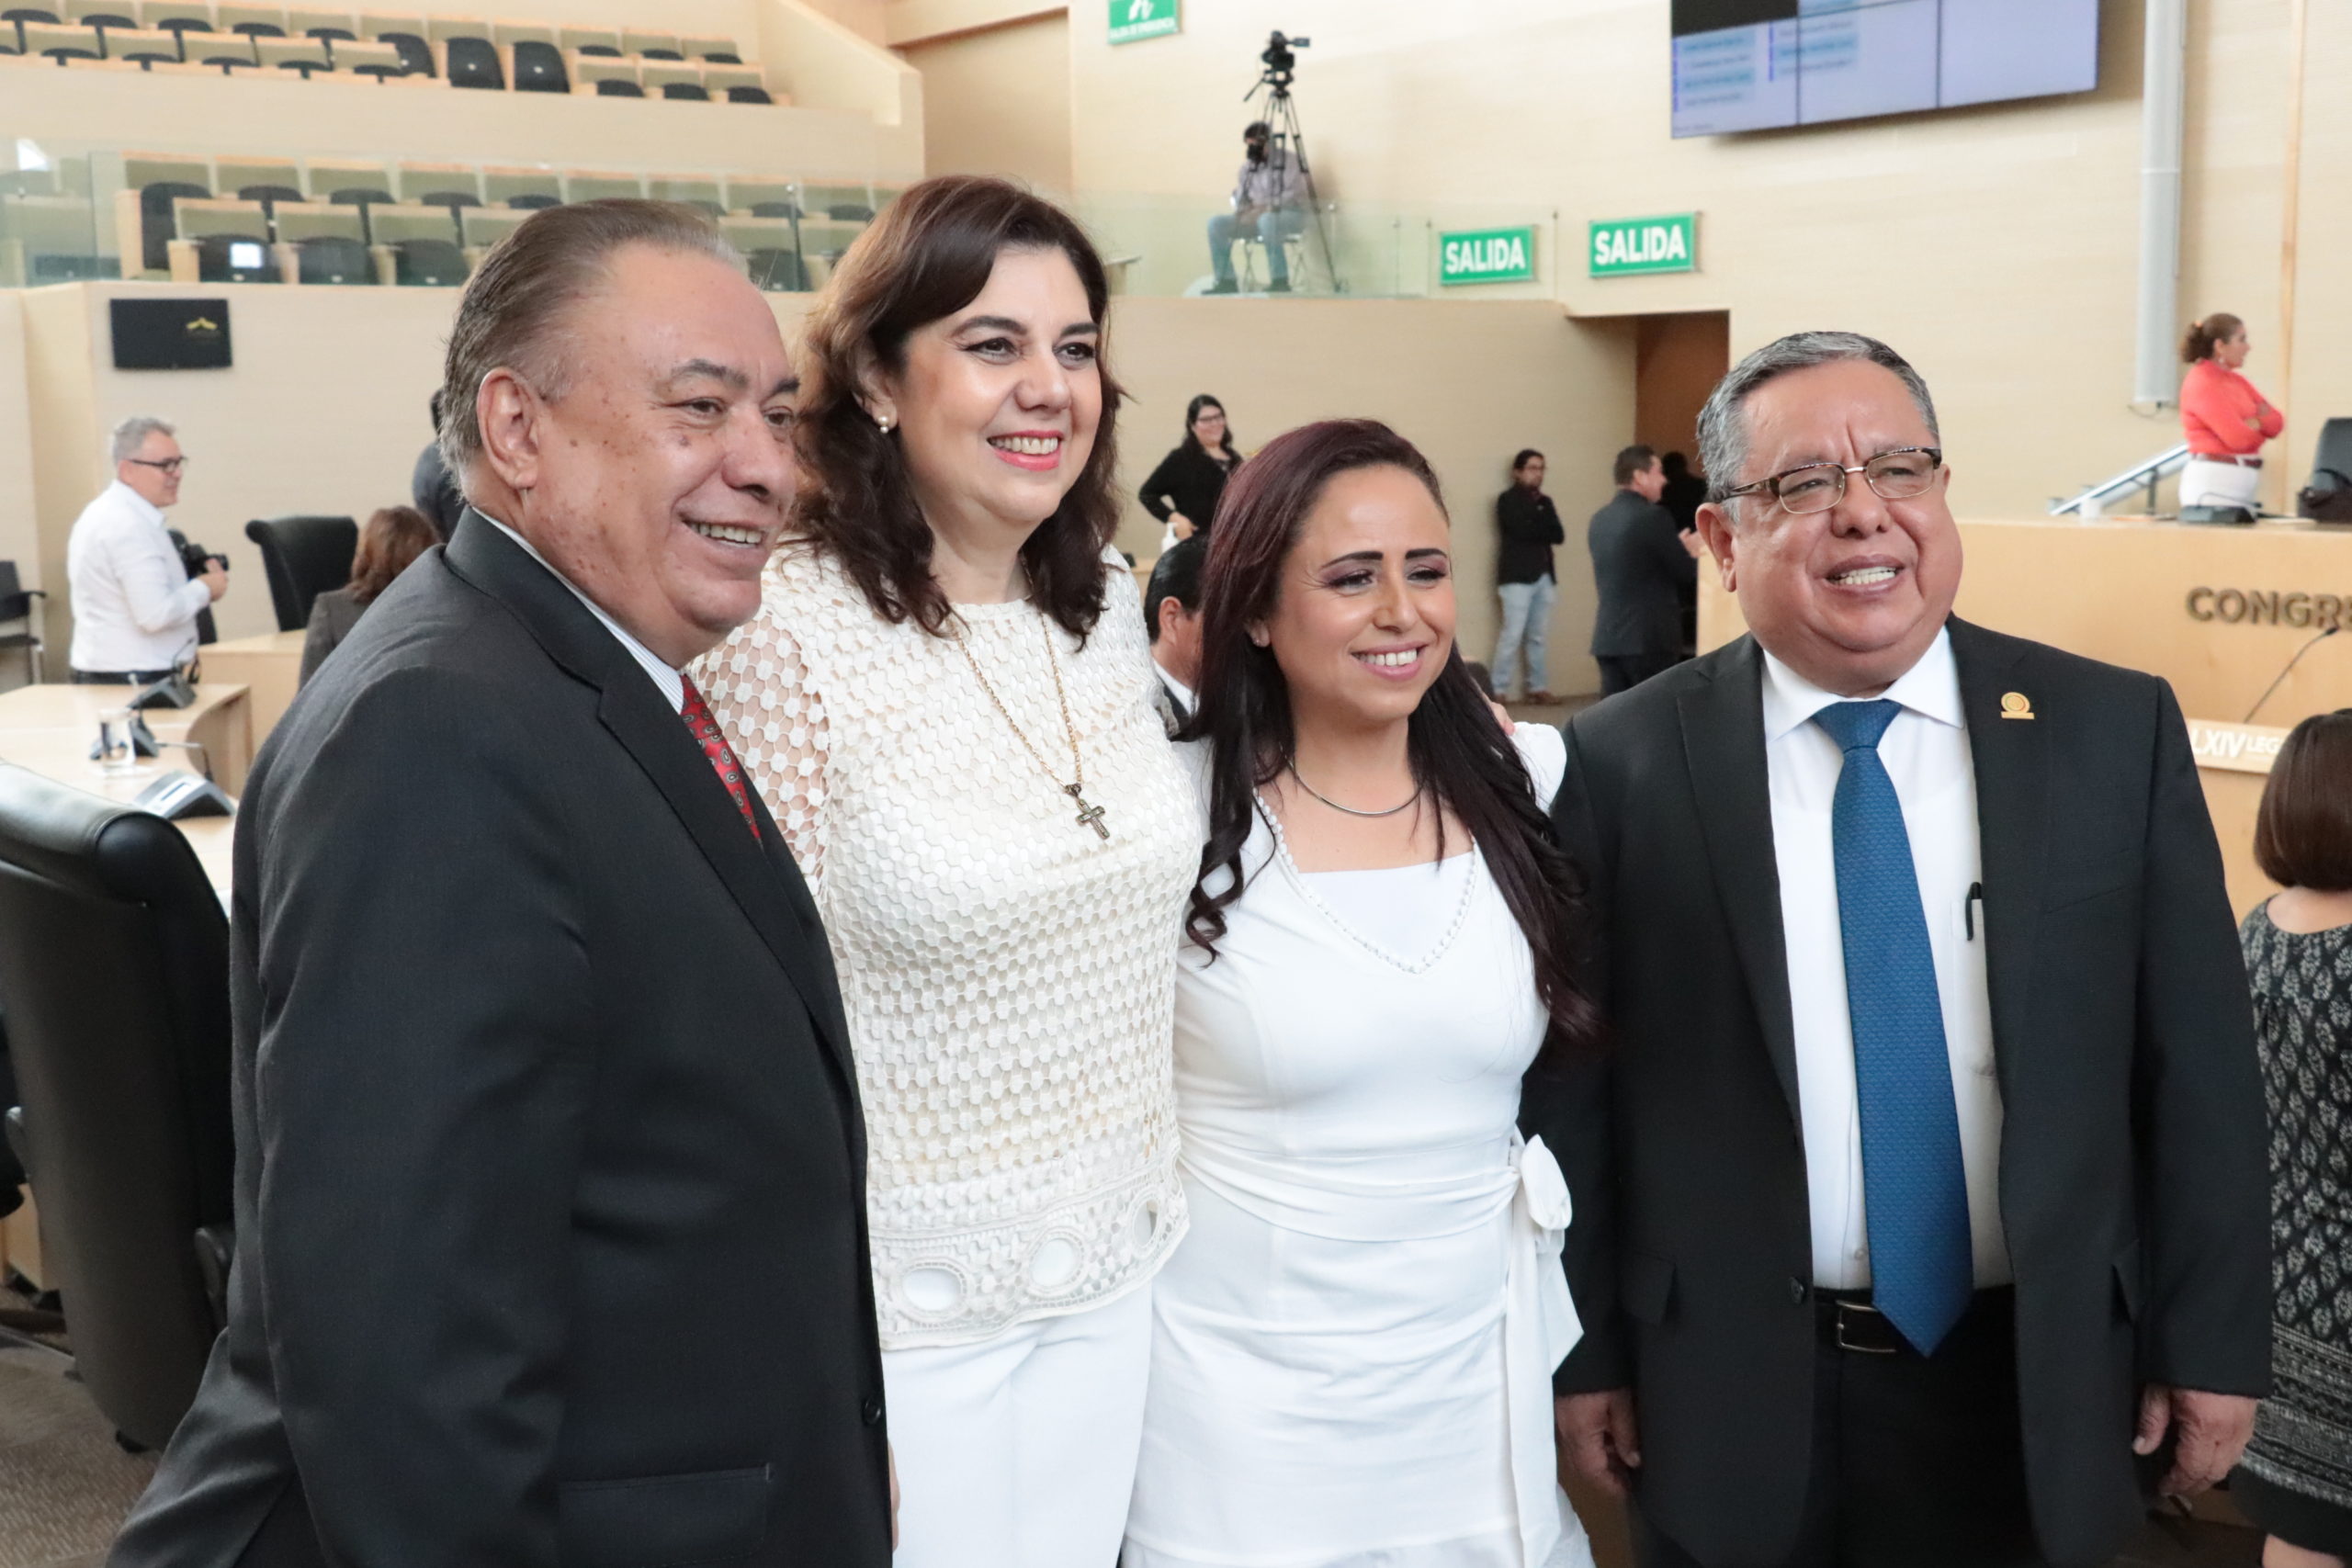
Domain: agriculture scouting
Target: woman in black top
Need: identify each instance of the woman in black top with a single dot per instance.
(2296, 1478)
(1185, 488)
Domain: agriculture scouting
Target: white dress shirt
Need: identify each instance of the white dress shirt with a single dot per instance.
(1927, 755)
(673, 684)
(1177, 689)
(134, 605)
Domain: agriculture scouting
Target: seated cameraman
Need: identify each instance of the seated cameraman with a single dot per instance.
(1269, 204)
(135, 606)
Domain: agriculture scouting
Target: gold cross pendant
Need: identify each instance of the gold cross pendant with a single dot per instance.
(1088, 816)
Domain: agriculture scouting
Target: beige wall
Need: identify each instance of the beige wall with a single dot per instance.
(293, 429)
(1469, 384)
(1995, 246)
(997, 101)
(19, 542)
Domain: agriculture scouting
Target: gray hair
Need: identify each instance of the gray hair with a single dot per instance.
(1722, 424)
(517, 312)
(132, 433)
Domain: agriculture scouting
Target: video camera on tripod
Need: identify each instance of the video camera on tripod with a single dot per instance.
(1280, 62)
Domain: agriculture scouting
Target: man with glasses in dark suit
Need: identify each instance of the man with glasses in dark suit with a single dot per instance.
(1922, 1204)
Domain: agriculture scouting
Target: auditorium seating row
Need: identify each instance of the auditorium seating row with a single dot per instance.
(532, 57)
(194, 218)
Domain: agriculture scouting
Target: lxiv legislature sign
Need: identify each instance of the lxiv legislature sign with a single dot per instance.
(1623, 247)
(1133, 20)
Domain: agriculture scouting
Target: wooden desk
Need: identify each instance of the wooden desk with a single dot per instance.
(269, 667)
(48, 731)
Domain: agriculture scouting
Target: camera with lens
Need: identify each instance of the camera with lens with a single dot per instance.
(195, 559)
(1278, 58)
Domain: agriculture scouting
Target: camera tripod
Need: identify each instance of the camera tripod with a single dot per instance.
(1288, 137)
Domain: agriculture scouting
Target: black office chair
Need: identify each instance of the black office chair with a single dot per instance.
(428, 264)
(95, 49)
(2334, 451)
(473, 62)
(723, 57)
(749, 95)
(778, 272)
(229, 64)
(449, 199)
(16, 604)
(259, 29)
(159, 222)
(226, 258)
(16, 16)
(333, 258)
(269, 195)
(686, 92)
(850, 212)
(362, 197)
(614, 87)
(147, 58)
(304, 558)
(416, 55)
(533, 201)
(332, 34)
(598, 52)
(789, 211)
(114, 976)
(660, 54)
(180, 27)
(539, 68)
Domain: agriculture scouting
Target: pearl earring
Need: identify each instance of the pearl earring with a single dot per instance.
(882, 422)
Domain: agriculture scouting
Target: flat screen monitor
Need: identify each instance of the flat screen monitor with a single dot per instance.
(1761, 64)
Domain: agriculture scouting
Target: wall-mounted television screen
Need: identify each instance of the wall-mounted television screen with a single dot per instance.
(1756, 64)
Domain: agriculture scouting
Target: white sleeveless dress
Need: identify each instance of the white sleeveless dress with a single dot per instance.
(1353, 1347)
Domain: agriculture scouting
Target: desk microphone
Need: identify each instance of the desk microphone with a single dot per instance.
(2286, 671)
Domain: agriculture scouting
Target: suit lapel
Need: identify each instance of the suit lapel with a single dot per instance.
(772, 895)
(1722, 744)
(2011, 759)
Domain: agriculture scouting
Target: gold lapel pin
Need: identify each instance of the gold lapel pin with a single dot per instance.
(2016, 704)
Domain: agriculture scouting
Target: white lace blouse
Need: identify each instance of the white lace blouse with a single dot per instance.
(1009, 976)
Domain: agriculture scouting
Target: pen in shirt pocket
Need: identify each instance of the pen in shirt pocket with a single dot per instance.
(1968, 907)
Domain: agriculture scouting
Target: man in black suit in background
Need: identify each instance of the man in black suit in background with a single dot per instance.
(551, 1222)
(1891, 907)
(1641, 563)
(1171, 609)
(433, 487)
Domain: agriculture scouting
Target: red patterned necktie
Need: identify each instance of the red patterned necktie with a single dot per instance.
(713, 741)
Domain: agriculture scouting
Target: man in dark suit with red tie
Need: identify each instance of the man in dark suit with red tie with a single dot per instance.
(551, 1170)
(1921, 1207)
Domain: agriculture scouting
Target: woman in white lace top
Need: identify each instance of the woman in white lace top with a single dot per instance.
(947, 700)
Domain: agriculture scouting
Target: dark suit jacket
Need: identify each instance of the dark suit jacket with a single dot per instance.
(1528, 527)
(2133, 1185)
(1639, 568)
(550, 1221)
(333, 614)
(434, 489)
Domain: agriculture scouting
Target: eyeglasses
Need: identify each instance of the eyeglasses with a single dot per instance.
(169, 465)
(1893, 476)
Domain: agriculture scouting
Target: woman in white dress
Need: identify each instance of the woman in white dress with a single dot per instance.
(947, 702)
(1352, 1359)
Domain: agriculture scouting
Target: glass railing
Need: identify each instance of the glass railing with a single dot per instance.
(71, 213)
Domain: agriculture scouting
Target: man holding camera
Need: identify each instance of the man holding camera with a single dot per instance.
(135, 604)
(1269, 205)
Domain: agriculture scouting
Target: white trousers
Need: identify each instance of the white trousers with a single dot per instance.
(2208, 483)
(1020, 1451)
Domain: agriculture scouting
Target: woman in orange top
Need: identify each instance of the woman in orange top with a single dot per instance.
(2225, 420)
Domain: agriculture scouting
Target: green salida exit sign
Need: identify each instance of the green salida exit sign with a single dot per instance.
(1622, 247)
(1486, 256)
(1134, 20)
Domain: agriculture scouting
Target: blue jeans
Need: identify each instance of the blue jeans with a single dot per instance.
(1272, 227)
(1527, 615)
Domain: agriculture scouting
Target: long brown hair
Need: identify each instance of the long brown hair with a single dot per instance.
(1457, 750)
(927, 256)
(393, 538)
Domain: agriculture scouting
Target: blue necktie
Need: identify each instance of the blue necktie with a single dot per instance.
(1915, 1191)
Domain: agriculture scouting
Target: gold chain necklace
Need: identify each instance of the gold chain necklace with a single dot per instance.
(1089, 816)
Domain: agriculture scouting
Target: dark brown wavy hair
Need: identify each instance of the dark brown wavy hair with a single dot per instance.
(1457, 750)
(2207, 335)
(394, 536)
(927, 256)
